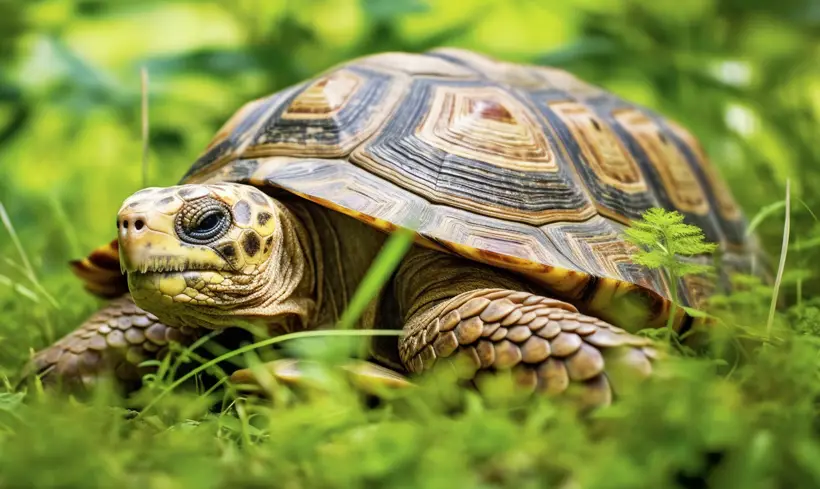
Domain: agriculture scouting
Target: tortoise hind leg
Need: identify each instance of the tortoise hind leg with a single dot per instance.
(113, 341)
(547, 343)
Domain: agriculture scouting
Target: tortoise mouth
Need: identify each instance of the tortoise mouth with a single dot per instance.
(158, 290)
(165, 264)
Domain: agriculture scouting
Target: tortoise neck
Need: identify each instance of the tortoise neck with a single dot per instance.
(338, 252)
(291, 300)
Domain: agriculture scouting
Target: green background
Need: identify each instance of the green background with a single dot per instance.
(743, 75)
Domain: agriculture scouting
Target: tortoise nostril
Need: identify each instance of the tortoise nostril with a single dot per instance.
(138, 225)
(125, 224)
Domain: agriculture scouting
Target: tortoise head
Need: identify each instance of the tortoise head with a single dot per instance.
(213, 256)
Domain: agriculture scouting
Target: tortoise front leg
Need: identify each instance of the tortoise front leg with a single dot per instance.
(547, 343)
(113, 341)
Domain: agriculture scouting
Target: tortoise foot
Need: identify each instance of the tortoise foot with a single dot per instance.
(112, 342)
(547, 344)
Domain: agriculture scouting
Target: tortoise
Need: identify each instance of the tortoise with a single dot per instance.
(516, 181)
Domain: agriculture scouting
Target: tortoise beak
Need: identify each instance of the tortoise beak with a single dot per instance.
(148, 243)
(142, 242)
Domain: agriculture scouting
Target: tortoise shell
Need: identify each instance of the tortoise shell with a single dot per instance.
(521, 167)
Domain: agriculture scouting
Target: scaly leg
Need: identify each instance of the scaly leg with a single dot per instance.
(453, 307)
(114, 340)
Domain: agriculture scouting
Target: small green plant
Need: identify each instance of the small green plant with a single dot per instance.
(665, 241)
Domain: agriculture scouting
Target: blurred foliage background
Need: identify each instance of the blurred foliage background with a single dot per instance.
(742, 74)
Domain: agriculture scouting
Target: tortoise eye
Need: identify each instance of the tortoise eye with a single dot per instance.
(203, 221)
(208, 223)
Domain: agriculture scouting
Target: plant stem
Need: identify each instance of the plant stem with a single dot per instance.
(673, 286)
(673, 311)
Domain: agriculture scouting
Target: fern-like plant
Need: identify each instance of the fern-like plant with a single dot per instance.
(664, 240)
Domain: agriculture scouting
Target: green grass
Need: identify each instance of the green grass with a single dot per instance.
(735, 415)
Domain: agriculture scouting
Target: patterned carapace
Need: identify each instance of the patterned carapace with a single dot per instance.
(522, 167)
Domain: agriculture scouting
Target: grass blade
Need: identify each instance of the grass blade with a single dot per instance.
(762, 214)
(19, 288)
(28, 269)
(782, 265)
(261, 344)
(144, 120)
(383, 266)
(65, 224)
(15, 239)
(769, 210)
